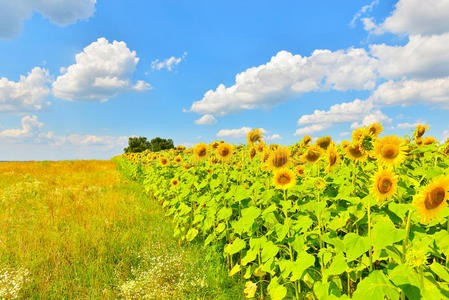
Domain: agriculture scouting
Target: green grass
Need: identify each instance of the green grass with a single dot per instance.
(77, 230)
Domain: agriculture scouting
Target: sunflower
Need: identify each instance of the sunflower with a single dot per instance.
(180, 148)
(266, 155)
(306, 140)
(418, 141)
(431, 200)
(224, 151)
(174, 182)
(163, 161)
(186, 166)
(254, 136)
(390, 150)
(178, 159)
(324, 142)
(345, 143)
(273, 147)
(299, 170)
(279, 158)
(284, 179)
(251, 153)
(420, 130)
(428, 140)
(384, 184)
(261, 146)
(375, 129)
(312, 154)
(200, 151)
(356, 152)
(214, 145)
(333, 157)
(358, 135)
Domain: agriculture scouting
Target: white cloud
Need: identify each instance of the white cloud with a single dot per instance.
(168, 63)
(13, 13)
(407, 92)
(273, 137)
(101, 71)
(306, 130)
(287, 76)
(422, 57)
(418, 17)
(406, 125)
(30, 128)
(236, 133)
(27, 94)
(364, 10)
(206, 120)
(445, 136)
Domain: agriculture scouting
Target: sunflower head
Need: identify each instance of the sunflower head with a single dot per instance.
(420, 130)
(178, 159)
(419, 141)
(390, 150)
(384, 184)
(428, 140)
(252, 152)
(186, 166)
(358, 134)
(356, 152)
(324, 142)
(306, 140)
(279, 158)
(312, 154)
(214, 145)
(273, 147)
(299, 170)
(432, 199)
(200, 151)
(266, 155)
(180, 148)
(260, 147)
(163, 161)
(174, 182)
(345, 143)
(333, 157)
(284, 179)
(254, 136)
(375, 129)
(224, 151)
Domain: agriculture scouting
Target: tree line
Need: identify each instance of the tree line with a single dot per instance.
(140, 144)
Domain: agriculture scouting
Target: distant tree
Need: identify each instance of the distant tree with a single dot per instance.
(158, 144)
(137, 144)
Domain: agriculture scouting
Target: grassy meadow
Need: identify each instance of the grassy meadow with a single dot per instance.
(76, 229)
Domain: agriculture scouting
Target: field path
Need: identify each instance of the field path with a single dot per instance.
(76, 229)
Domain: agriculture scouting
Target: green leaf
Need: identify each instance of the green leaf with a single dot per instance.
(191, 234)
(236, 246)
(355, 246)
(375, 287)
(440, 270)
(224, 213)
(278, 293)
(407, 280)
(269, 250)
(338, 265)
(385, 234)
(250, 256)
(251, 212)
(302, 263)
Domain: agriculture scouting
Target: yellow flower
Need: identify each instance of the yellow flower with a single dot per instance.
(224, 151)
(186, 166)
(324, 142)
(432, 199)
(200, 151)
(284, 179)
(214, 145)
(279, 158)
(333, 157)
(312, 154)
(254, 136)
(178, 159)
(174, 182)
(163, 161)
(261, 146)
(420, 130)
(358, 134)
(390, 150)
(299, 170)
(250, 289)
(356, 152)
(428, 140)
(251, 153)
(306, 140)
(181, 148)
(384, 184)
(345, 143)
(375, 129)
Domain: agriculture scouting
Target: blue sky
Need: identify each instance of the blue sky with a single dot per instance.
(78, 77)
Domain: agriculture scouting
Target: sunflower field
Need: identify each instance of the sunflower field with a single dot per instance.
(364, 219)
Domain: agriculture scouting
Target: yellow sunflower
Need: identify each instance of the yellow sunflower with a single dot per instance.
(174, 182)
(358, 135)
(200, 151)
(333, 157)
(279, 158)
(432, 199)
(420, 130)
(180, 148)
(356, 152)
(375, 129)
(299, 170)
(178, 159)
(266, 155)
(224, 151)
(312, 154)
(254, 136)
(251, 153)
(419, 141)
(324, 142)
(284, 179)
(186, 166)
(390, 150)
(345, 143)
(306, 140)
(261, 146)
(384, 184)
(428, 140)
(163, 161)
(214, 145)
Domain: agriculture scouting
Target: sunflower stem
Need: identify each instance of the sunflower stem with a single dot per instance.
(369, 237)
(405, 242)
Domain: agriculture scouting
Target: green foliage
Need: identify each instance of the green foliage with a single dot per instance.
(157, 144)
(137, 144)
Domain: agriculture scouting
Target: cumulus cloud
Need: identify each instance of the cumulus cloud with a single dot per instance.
(407, 125)
(236, 133)
(101, 71)
(364, 10)
(273, 137)
(30, 127)
(206, 120)
(169, 63)
(306, 130)
(27, 94)
(287, 76)
(13, 13)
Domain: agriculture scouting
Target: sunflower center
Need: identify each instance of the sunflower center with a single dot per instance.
(312, 155)
(384, 185)
(421, 132)
(435, 197)
(224, 152)
(389, 151)
(355, 151)
(280, 160)
(202, 152)
(332, 159)
(284, 179)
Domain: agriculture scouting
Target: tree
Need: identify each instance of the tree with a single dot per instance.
(158, 144)
(137, 144)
